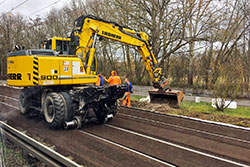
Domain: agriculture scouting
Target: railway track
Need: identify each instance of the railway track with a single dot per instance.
(191, 125)
(138, 137)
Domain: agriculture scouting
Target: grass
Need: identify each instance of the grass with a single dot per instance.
(136, 98)
(242, 112)
(11, 156)
(206, 108)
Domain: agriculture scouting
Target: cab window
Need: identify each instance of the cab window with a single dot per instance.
(48, 44)
(65, 46)
(62, 46)
(59, 46)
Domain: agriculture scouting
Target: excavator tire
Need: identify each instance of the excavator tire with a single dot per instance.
(68, 108)
(24, 102)
(54, 110)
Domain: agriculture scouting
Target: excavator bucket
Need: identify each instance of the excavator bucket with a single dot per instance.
(172, 98)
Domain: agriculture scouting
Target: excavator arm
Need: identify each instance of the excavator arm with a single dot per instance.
(83, 39)
(88, 28)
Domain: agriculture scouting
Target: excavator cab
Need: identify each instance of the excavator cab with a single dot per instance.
(58, 44)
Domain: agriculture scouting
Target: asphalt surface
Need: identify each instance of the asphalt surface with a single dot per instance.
(137, 138)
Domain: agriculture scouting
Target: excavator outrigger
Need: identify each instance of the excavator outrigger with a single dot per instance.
(62, 87)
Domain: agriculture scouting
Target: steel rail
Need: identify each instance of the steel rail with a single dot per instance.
(154, 121)
(129, 149)
(179, 146)
(187, 149)
(11, 98)
(40, 151)
(188, 118)
(2, 84)
(185, 128)
(166, 114)
(51, 163)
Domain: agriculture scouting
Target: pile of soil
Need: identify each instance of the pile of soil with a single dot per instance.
(164, 108)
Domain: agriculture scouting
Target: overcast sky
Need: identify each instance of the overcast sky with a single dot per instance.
(30, 6)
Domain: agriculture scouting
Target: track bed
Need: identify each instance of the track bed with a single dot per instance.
(137, 138)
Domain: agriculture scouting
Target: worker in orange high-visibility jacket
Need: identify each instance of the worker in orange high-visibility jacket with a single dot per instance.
(113, 79)
(128, 92)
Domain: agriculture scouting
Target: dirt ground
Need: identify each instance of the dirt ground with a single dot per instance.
(87, 150)
(164, 108)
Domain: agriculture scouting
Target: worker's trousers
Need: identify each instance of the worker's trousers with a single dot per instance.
(126, 99)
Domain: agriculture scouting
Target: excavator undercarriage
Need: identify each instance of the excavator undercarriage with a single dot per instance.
(71, 107)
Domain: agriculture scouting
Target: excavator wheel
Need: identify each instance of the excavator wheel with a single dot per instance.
(172, 98)
(54, 110)
(68, 108)
(23, 102)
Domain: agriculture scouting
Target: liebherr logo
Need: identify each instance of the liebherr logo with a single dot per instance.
(14, 76)
(111, 35)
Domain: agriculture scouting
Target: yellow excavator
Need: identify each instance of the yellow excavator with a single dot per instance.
(82, 44)
(62, 87)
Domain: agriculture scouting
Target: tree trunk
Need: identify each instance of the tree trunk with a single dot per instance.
(129, 61)
(209, 57)
(191, 65)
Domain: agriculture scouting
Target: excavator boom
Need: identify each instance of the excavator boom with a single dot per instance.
(83, 39)
(82, 43)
